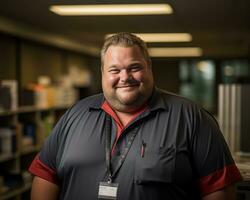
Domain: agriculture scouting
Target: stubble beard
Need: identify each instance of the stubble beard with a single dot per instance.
(118, 103)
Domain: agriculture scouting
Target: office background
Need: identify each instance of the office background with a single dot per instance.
(50, 60)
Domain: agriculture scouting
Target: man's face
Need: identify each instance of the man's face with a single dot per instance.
(127, 80)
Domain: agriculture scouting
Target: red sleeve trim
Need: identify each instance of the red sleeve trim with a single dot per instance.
(41, 170)
(219, 179)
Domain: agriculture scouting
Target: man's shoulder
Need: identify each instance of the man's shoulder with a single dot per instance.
(94, 101)
(172, 99)
(181, 104)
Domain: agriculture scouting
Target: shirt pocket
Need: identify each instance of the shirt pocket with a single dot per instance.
(156, 166)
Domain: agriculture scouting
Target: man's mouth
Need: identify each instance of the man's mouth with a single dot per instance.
(128, 86)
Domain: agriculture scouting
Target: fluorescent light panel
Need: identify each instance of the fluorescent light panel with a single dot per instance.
(163, 37)
(175, 52)
(112, 9)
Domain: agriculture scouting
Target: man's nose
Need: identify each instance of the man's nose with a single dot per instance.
(125, 75)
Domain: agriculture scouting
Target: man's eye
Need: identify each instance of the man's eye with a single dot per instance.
(114, 71)
(135, 69)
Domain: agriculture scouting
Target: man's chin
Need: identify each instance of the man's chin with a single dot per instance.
(128, 89)
(128, 98)
(130, 102)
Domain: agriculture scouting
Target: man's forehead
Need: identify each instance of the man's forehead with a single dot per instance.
(119, 53)
(120, 50)
(123, 55)
(123, 46)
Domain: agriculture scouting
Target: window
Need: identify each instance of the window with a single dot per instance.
(198, 82)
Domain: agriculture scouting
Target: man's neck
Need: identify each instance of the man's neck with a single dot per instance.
(127, 117)
(122, 117)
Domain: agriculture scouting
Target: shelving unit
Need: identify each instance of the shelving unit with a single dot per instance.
(17, 162)
(15, 193)
(25, 60)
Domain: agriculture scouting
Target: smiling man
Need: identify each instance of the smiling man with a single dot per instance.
(134, 141)
(127, 79)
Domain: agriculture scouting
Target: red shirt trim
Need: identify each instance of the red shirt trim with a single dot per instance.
(41, 170)
(107, 108)
(219, 179)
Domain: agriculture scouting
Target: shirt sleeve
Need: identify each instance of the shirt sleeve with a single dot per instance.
(45, 163)
(38, 168)
(212, 160)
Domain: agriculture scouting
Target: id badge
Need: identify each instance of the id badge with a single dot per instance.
(107, 190)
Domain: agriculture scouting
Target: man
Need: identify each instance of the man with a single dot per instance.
(134, 141)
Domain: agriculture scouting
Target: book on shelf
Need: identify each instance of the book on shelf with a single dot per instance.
(11, 180)
(27, 97)
(3, 188)
(44, 128)
(47, 96)
(12, 86)
(28, 134)
(7, 141)
(5, 98)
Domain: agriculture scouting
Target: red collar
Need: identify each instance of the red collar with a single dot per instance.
(108, 109)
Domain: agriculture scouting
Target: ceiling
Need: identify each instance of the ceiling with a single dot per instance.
(220, 27)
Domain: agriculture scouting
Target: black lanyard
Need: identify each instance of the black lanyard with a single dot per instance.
(108, 132)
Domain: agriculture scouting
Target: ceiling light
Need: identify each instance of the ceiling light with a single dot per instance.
(175, 52)
(163, 37)
(112, 9)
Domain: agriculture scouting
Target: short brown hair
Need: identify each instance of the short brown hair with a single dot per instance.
(125, 39)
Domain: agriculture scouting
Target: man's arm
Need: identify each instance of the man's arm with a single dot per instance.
(227, 193)
(42, 189)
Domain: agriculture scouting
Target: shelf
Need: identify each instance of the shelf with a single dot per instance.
(7, 112)
(15, 192)
(24, 151)
(244, 168)
(4, 158)
(25, 120)
(34, 108)
(27, 109)
(29, 149)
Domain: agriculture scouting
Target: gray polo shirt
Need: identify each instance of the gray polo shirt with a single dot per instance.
(184, 153)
